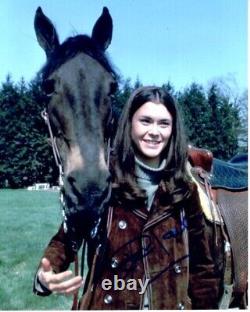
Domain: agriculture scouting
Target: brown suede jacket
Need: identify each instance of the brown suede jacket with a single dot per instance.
(168, 246)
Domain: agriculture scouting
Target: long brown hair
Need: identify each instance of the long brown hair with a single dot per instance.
(174, 180)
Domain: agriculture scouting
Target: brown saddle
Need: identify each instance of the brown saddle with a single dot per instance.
(232, 203)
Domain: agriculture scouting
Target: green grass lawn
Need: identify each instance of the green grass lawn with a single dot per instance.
(28, 219)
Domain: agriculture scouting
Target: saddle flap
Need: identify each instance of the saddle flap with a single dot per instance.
(207, 204)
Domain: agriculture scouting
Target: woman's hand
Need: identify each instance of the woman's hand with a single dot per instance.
(58, 283)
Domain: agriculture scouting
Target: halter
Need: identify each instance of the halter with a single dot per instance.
(95, 233)
(96, 229)
(56, 153)
(55, 149)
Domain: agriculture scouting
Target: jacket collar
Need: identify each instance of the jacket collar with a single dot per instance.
(157, 212)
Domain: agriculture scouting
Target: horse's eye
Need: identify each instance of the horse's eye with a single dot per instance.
(113, 88)
(59, 134)
(48, 86)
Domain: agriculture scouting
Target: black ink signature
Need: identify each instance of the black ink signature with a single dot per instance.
(130, 260)
(175, 232)
(168, 267)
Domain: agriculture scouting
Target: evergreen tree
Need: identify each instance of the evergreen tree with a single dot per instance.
(46, 169)
(168, 87)
(121, 97)
(196, 115)
(25, 154)
(225, 123)
(9, 96)
(242, 104)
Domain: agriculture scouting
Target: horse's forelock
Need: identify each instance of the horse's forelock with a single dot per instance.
(70, 48)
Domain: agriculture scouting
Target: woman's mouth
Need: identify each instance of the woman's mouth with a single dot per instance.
(152, 142)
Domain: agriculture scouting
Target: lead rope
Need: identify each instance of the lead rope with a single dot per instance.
(84, 304)
(58, 161)
(93, 234)
(75, 297)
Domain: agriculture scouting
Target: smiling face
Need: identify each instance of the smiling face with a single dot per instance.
(150, 132)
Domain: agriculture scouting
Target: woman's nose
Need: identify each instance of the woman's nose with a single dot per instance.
(154, 129)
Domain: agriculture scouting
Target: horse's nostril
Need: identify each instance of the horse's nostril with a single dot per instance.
(71, 180)
(86, 190)
(73, 186)
(108, 180)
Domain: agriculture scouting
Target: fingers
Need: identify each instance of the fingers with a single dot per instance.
(45, 265)
(59, 283)
(67, 287)
(50, 277)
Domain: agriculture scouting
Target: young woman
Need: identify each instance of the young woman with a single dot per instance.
(157, 253)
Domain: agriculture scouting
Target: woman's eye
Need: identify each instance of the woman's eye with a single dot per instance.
(145, 121)
(164, 125)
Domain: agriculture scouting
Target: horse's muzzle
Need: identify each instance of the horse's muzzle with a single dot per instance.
(86, 193)
(85, 203)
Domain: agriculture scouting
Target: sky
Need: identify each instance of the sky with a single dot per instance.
(181, 41)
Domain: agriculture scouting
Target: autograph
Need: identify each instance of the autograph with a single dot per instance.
(168, 267)
(173, 233)
(131, 259)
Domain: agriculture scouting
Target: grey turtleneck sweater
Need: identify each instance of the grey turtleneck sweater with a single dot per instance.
(148, 178)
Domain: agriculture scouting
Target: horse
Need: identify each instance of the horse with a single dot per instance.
(79, 82)
(225, 186)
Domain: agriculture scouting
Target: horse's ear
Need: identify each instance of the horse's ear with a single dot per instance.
(102, 31)
(45, 32)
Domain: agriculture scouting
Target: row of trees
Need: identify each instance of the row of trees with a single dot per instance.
(213, 119)
(25, 156)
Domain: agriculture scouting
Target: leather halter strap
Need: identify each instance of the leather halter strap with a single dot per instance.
(55, 149)
(97, 228)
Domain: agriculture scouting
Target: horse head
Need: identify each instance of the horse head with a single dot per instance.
(78, 81)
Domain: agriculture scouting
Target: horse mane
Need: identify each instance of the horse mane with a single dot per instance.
(72, 46)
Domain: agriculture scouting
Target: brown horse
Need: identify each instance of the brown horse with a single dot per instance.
(79, 82)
